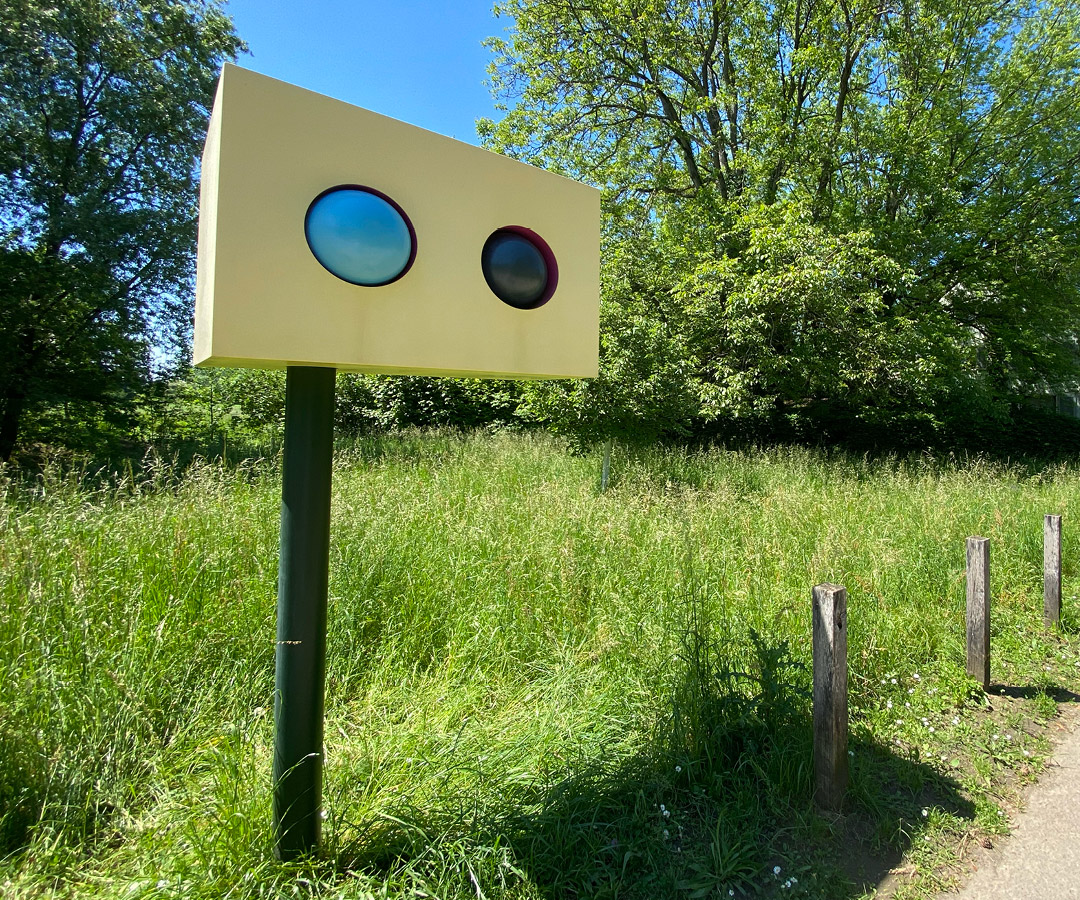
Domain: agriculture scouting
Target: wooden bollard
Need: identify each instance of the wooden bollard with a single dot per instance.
(1052, 570)
(830, 695)
(978, 610)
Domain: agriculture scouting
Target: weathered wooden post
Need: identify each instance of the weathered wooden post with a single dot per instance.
(830, 695)
(978, 609)
(1052, 570)
(605, 466)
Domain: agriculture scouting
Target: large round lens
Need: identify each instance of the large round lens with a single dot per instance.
(360, 235)
(519, 268)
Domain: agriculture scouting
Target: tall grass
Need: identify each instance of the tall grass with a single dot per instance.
(534, 689)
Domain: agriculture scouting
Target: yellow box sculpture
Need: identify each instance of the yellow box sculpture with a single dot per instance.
(333, 236)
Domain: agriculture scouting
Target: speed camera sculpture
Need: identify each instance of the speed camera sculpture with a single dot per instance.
(332, 238)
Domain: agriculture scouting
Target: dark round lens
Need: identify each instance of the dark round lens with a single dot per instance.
(515, 270)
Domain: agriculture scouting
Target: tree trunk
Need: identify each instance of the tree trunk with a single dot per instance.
(10, 419)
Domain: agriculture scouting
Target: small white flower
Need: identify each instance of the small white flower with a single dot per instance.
(787, 883)
(907, 706)
(911, 690)
(893, 680)
(794, 880)
(667, 812)
(678, 769)
(898, 740)
(1027, 753)
(931, 729)
(899, 721)
(731, 892)
(925, 812)
(956, 720)
(851, 753)
(662, 807)
(776, 870)
(916, 677)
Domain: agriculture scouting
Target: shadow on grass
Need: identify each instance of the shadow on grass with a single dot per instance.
(719, 801)
(1055, 692)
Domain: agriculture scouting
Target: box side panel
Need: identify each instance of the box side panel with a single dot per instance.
(207, 255)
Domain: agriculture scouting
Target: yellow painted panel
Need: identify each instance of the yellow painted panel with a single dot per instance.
(264, 300)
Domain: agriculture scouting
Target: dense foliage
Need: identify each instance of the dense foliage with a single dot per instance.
(845, 214)
(103, 108)
(844, 219)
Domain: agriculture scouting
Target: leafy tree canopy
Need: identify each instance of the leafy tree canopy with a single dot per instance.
(103, 109)
(862, 205)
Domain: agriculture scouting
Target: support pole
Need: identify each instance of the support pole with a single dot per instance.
(303, 575)
(830, 695)
(978, 610)
(1052, 570)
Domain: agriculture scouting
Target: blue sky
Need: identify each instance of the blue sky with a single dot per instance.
(420, 61)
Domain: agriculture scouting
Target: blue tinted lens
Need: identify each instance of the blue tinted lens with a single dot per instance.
(359, 236)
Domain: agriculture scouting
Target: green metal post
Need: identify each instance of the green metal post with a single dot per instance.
(303, 573)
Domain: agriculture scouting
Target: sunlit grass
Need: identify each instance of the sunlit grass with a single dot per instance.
(534, 689)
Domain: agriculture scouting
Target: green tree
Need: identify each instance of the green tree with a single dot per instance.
(103, 107)
(887, 185)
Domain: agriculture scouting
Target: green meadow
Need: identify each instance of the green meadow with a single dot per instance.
(535, 689)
